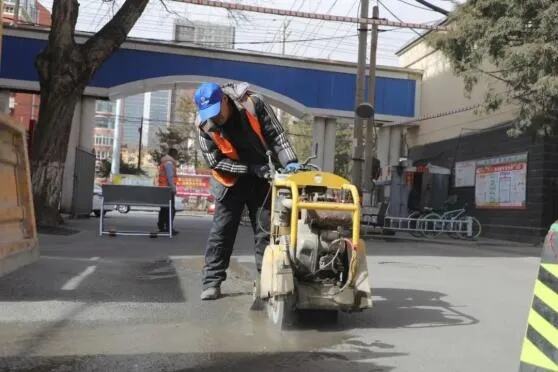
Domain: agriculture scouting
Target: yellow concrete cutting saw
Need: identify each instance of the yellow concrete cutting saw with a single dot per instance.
(316, 259)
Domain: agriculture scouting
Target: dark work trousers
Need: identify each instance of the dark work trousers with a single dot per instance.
(163, 222)
(229, 204)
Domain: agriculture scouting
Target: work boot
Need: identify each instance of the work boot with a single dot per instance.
(211, 293)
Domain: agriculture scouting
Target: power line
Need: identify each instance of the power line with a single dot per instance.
(279, 41)
(435, 116)
(433, 7)
(415, 6)
(142, 26)
(396, 17)
(278, 31)
(355, 2)
(316, 28)
(326, 17)
(255, 36)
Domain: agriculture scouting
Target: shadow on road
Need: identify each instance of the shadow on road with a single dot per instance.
(209, 362)
(51, 279)
(411, 308)
(393, 308)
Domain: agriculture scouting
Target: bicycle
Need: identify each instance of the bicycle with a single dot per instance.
(418, 226)
(457, 218)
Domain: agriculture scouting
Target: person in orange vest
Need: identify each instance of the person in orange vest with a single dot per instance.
(167, 177)
(236, 131)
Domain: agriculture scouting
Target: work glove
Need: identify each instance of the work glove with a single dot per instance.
(259, 170)
(293, 167)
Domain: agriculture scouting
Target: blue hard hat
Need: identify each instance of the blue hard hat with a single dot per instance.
(208, 98)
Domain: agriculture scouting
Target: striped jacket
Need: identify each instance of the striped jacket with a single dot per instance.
(273, 132)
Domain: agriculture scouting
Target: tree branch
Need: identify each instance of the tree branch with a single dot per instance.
(98, 48)
(62, 30)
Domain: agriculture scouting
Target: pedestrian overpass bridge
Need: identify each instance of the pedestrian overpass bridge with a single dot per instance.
(322, 89)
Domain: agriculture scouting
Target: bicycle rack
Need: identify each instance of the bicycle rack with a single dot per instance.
(426, 225)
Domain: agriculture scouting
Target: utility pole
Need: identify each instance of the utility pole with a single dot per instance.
(115, 164)
(356, 173)
(370, 127)
(285, 36)
(16, 12)
(140, 144)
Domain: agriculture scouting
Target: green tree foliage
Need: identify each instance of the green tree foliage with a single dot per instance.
(343, 149)
(300, 135)
(125, 168)
(175, 136)
(179, 135)
(518, 38)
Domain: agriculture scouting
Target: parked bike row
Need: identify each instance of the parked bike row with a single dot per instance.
(455, 223)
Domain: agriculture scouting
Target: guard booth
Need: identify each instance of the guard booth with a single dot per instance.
(18, 234)
(408, 188)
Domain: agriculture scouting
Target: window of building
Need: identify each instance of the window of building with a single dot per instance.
(184, 33)
(105, 106)
(131, 120)
(103, 121)
(103, 140)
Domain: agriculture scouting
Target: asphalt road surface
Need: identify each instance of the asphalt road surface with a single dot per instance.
(132, 304)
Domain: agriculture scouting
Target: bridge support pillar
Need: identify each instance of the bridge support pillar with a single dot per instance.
(82, 136)
(323, 133)
(4, 101)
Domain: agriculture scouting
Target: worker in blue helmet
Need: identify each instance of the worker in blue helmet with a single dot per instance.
(237, 130)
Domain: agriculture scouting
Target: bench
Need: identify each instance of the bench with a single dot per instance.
(147, 196)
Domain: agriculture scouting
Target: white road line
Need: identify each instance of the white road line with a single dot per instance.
(245, 259)
(76, 280)
(186, 257)
(95, 258)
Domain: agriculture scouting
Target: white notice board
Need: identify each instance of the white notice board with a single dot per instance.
(502, 186)
(465, 173)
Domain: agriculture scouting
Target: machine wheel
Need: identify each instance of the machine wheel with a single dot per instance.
(123, 209)
(280, 310)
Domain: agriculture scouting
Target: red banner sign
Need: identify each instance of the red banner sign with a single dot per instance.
(193, 185)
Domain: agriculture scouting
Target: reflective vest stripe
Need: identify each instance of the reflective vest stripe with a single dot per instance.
(228, 150)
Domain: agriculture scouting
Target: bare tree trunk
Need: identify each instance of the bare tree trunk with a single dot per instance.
(64, 69)
(50, 146)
